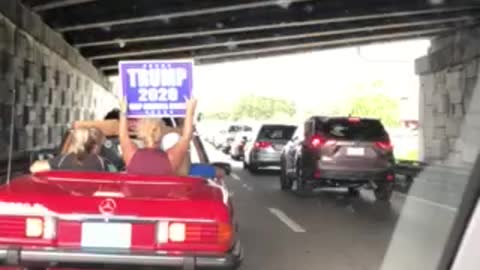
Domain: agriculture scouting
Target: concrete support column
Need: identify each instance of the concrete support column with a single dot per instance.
(54, 84)
(450, 99)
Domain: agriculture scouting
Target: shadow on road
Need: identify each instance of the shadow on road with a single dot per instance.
(363, 204)
(266, 172)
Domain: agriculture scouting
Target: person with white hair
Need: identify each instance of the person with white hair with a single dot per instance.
(151, 159)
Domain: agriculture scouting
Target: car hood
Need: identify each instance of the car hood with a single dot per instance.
(65, 193)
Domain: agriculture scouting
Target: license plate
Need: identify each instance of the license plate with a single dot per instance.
(355, 151)
(278, 147)
(106, 235)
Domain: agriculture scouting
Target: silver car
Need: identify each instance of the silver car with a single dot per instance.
(265, 149)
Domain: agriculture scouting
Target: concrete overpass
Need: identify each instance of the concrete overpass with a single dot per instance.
(55, 57)
(106, 31)
(57, 54)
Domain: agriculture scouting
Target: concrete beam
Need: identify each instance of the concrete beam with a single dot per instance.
(59, 4)
(181, 14)
(274, 26)
(367, 29)
(312, 45)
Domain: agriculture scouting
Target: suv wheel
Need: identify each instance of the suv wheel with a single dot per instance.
(383, 192)
(302, 188)
(252, 168)
(353, 191)
(285, 181)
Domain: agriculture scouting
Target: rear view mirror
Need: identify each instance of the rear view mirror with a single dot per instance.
(225, 166)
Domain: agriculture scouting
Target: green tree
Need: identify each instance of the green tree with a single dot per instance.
(217, 116)
(377, 106)
(262, 108)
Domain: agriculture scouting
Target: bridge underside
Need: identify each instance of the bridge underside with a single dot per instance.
(106, 31)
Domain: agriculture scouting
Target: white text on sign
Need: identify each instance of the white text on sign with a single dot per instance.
(157, 76)
(160, 94)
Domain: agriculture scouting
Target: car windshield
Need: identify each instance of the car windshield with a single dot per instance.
(276, 132)
(234, 128)
(369, 130)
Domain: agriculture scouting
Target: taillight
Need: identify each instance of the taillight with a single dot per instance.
(171, 232)
(177, 232)
(354, 120)
(225, 233)
(49, 228)
(319, 141)
(36, 227)
(384, 145)
(202, 233)
(162, 232)
(262, 145)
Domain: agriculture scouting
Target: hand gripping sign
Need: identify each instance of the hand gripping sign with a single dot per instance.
(156, 88)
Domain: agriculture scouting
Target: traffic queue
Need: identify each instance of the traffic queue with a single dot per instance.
(348, 152)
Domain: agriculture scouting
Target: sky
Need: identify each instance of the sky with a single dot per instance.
(313, 78)
(317, 78)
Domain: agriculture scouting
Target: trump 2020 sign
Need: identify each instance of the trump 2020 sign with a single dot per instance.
(156, 88)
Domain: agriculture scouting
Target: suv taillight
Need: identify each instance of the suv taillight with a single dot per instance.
(384, 145)
(354, 120)
(317, 141)
(262, 144)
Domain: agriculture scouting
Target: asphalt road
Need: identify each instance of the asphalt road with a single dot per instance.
(333, 230)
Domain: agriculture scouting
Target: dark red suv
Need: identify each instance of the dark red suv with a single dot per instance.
(339, 152)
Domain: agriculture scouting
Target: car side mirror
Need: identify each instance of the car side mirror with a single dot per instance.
(224, 166)
(42, 155)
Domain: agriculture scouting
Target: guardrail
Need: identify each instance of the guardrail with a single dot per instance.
(408, 169)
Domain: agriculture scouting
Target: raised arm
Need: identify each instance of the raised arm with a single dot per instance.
(178, 152)
(126, 144)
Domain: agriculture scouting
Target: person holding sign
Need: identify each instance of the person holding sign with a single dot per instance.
(151, 159)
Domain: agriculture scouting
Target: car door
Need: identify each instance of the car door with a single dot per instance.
(249, 145)
(301, 152)
(292, 148)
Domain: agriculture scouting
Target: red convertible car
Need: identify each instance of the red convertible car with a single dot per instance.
(86, 219)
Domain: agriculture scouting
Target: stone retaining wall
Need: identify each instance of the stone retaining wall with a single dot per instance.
(53, 84)
(450, 99)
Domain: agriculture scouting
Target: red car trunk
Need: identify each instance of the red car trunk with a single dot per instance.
(72, 200)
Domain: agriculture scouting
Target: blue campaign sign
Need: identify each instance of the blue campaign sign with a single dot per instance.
(156, 88)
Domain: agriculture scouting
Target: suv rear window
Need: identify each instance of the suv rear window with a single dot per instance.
(276, 132)
(234, 128)
(364, 129)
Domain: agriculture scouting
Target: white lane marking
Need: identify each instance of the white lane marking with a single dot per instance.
(288, 221)
(425, 201)
(246, 186)
(235, 176)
